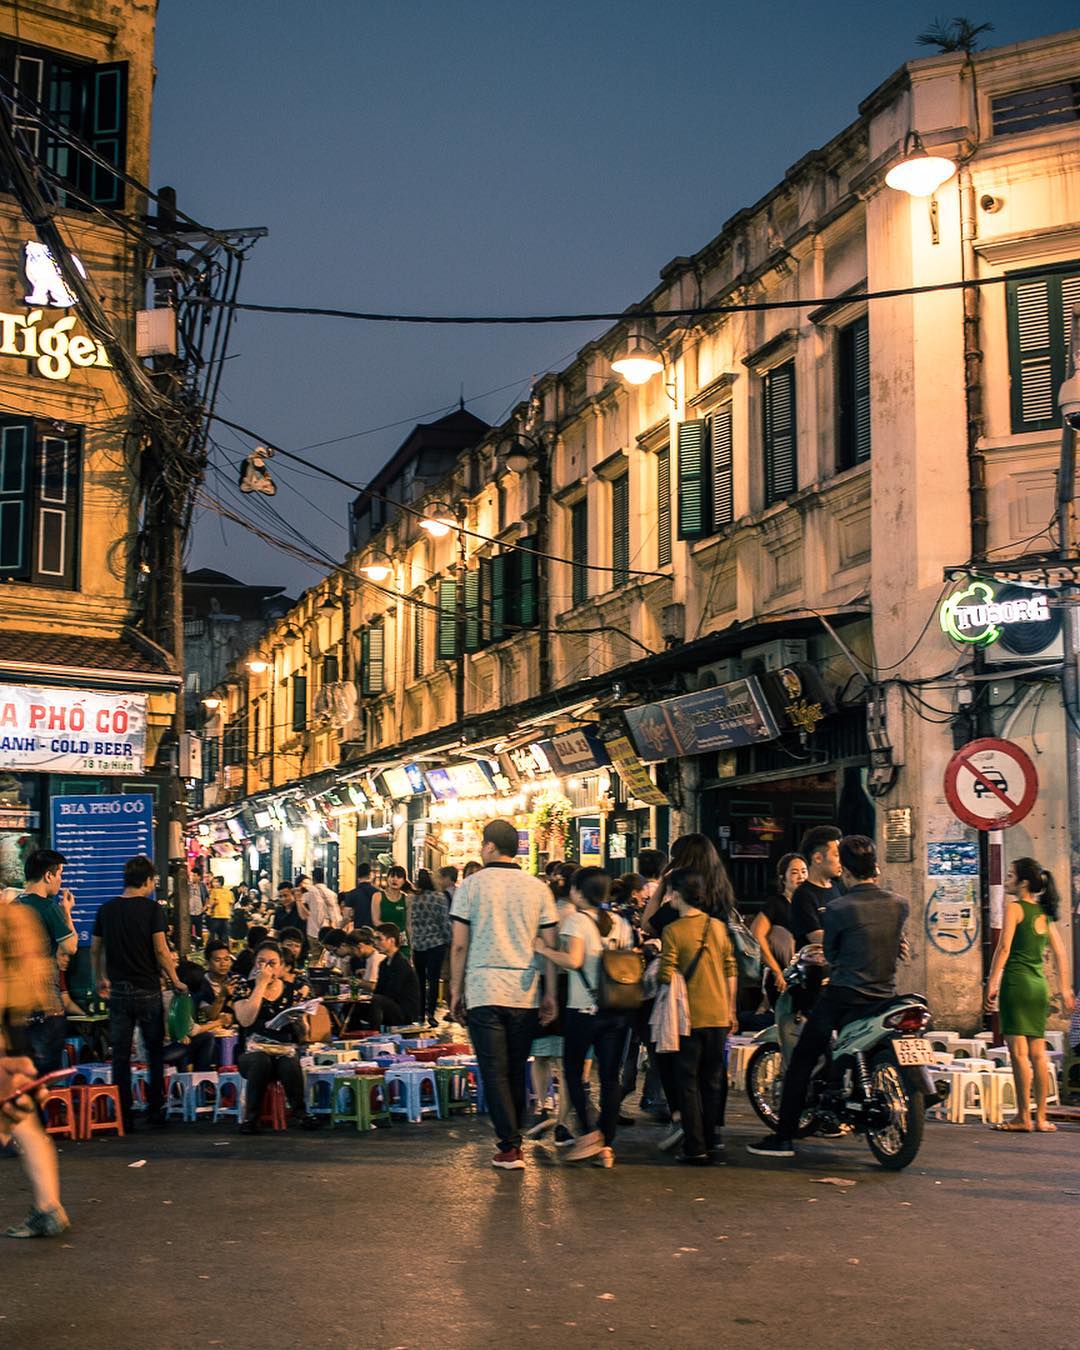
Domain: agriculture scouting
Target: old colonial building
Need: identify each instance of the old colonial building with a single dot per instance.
(711, 599)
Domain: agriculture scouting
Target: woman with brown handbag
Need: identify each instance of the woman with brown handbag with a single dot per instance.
(586, 933)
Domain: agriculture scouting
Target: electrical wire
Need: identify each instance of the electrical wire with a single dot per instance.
(639, 312)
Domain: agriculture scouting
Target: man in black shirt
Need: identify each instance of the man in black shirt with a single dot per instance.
(130, 955)
(358, 900)
(864, 930)
(821, 848)
(397, 990)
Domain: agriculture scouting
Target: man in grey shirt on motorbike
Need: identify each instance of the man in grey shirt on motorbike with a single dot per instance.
(863, 934)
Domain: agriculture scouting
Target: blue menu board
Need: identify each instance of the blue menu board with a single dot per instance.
(97, 835)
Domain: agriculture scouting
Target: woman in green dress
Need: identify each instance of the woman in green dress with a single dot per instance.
(391, 904)
(1017, 975)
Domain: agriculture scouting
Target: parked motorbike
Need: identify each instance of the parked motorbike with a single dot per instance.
(875, 1081)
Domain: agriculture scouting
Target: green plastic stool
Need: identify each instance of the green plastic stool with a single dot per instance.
(356, 1109)
(453, 1085)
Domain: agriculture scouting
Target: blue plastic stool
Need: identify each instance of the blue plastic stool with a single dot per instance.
(319, 1090)
(409, 1102)
(230, 1096)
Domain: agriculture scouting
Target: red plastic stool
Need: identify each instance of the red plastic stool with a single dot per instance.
(63, 1112)
(272, 1109)
(98, 1122)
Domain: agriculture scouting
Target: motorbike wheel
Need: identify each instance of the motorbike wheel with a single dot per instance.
(764, 1086)
(896, 1144)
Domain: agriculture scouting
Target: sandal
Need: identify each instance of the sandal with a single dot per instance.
(1046, 1128)
(1011, 1127)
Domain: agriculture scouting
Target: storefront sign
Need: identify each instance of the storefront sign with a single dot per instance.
(634, 774)
(714, 719)
(797, 696)
(574, 752)
(524, 764)
(406, 780)
(982, 612)
(71, 731)
(468, 779)
(97, 835)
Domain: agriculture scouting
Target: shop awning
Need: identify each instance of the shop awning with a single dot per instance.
(130, 662)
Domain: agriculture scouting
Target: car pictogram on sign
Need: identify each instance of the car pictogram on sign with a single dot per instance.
(991, 778)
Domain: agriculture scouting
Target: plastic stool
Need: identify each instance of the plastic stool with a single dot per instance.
(319, 1091)
(272, 1107)
(454, 1093)
(73, 1048)
(738, 1058)
(176, 1091)
(63, 1112)
(201, 1096)
(409, 1100)
(95, 1123)
(968, 1096)
(230, 1095)
(85, 1074)
(225, 1051)
(353, 1100)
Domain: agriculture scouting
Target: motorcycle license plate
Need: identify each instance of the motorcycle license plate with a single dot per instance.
(911, 1050)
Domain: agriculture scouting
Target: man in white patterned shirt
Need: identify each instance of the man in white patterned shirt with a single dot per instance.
(497, 914)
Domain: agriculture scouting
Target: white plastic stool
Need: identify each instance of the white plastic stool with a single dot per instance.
(738, 1056)
(1056, 1041)
(967, 1094)
(967, 1048)
(943, 1041)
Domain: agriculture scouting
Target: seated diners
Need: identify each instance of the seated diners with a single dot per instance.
(396, 1002)
(213, 1000)
(357, 956)
(271, 1055)
(245, 959)
(292, 954)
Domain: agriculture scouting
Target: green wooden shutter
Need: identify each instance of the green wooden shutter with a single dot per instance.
(56, 510)
(14, 499)
(372, 660)
(107, 131)
(620, 529)
(474, 591)
(663, 507)
(861, 362)
(723, 501)
(693, 479)
(526, 582)
(446, 648)
(780, 447)
(497, 596)
(1038, 311)
(419, 620)
(579, 550)
(299, 703)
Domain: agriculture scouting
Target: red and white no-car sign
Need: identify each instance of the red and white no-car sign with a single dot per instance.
(991, 784)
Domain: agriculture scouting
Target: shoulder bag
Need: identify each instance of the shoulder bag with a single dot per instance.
(747, 950)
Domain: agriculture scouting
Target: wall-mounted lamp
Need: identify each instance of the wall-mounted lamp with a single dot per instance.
(211, 704)
(329, 604)
(439, 520)
(258, 666)
(637, 364)
(920, 174)
(379, 569)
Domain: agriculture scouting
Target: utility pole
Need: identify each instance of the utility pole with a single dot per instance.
(1070, 631)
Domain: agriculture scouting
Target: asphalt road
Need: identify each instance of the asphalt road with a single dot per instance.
(407, 1238)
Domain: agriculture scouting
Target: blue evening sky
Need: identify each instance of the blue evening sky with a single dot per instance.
(478, 156)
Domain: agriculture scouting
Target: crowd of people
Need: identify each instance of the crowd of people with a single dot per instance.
(585, 975)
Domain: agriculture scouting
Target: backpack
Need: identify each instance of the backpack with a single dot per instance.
(622, 980)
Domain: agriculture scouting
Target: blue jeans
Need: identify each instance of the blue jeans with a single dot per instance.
(129, 1008)
(45, 1040)
(502, 1039)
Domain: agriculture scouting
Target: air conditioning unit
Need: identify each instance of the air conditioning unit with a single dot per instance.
(774, 655)
(720, 672)
(1027, 644)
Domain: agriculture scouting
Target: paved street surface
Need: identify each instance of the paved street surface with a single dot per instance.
(408, 1238)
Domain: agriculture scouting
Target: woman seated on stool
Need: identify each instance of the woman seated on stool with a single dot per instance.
(271, 1055)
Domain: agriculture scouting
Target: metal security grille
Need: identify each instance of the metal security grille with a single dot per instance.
(1028, 109)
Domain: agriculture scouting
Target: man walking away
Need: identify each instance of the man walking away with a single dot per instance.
(863, 933)
(130, 954)
(46, 896)
(497, 914)
(358, 901)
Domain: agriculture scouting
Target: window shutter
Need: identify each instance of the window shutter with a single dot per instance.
(723, 501)
(620, 529)
(473, 597)
(372, 660)
(330, 670)
(1030, 307)
(107, 131)
(419, 620)
(299, 703)
(57, 510)
(663, 507)
(446, 638)
(579, 550)
(861, 338)
(525, 576)
(779, 433)
(693, 480)
(14, 493)
(497, 596)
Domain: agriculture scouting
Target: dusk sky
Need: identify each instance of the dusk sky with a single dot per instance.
(476, 157)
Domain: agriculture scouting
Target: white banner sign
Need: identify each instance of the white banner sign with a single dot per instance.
(71, 731)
